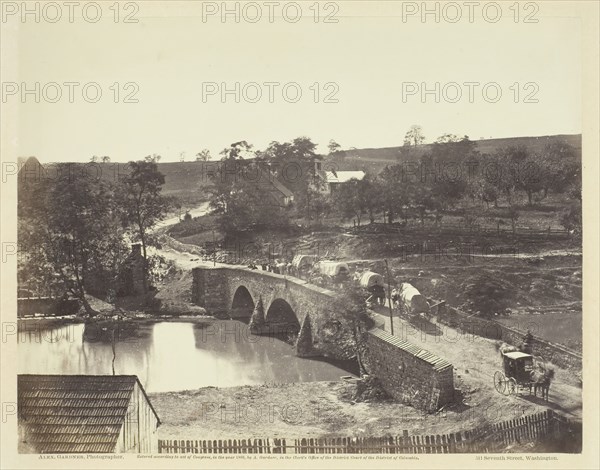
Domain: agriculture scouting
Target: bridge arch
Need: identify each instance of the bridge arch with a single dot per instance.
(242, 304)
(281, 318)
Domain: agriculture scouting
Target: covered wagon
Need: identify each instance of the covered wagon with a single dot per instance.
(302, 264)
(333, 268)
(410, 300)
(370, 279)
(374, 284)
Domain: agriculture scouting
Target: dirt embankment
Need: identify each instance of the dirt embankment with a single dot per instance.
(316, 409)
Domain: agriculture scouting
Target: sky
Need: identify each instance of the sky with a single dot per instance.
(363, 67)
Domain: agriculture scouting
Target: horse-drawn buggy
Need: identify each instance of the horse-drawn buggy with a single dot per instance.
(522, 371)
(518, 368)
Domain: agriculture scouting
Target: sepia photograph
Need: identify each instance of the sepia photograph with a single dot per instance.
(257, 234)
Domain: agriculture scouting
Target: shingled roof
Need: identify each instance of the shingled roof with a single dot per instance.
(73, 413)
(436, 362)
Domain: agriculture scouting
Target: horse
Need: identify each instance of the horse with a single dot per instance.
(541, 378)
(395, 298)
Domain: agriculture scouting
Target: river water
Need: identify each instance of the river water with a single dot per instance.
(169, 356)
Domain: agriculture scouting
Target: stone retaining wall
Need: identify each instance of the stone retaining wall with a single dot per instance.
(408, 373)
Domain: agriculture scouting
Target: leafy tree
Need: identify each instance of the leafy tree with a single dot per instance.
(448, 138)
(73, 234)
(293, 164)
(320, 204)
(422, 199)
(142, 203)
(534, 172)
(480, 188)
(228, 198)
(560, 167)
(414, 136)
(238, 151)
(356, 319)
(333, 147)
(373, 196)
(394, 190)
(487, 295)
(105, 159)
(443, 168)
(507, 161)
(154, 158)
(351, 199)
(244, 193)
(203, 155)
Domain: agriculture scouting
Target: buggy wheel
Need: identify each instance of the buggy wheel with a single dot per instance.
(511, 386)
(499, 382)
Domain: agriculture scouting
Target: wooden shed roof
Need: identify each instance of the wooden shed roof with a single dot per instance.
(74, 413)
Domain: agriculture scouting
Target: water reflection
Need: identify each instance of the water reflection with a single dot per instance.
(169, 356)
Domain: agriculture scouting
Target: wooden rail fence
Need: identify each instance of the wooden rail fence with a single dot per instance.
(492, 438)
(461, 229)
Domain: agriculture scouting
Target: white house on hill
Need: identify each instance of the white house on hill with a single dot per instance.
(332, 179)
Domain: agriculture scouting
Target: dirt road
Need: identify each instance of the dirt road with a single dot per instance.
(476, 359)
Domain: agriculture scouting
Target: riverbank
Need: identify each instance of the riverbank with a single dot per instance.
(313, 409)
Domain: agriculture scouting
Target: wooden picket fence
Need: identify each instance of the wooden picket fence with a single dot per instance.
(492, 438)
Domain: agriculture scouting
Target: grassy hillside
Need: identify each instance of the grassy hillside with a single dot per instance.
(188, 180)
(373, 160)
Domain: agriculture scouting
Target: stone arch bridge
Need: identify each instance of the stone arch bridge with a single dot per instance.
(287, 301)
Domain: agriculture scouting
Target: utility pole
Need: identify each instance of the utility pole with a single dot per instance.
(387, 268)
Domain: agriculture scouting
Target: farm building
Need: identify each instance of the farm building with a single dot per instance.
(283, 195)
(85, 414)
(332, 179)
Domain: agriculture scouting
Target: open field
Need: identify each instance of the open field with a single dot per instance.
(561, 326)
(374, 160)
